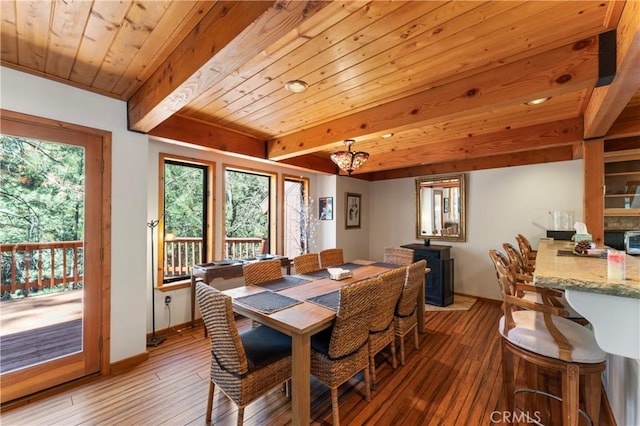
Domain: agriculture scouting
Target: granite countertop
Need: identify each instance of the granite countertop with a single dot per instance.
(587, 274)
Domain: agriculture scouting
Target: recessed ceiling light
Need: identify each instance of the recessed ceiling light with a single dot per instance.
(537, 101)
(296, 86)
(386, 135)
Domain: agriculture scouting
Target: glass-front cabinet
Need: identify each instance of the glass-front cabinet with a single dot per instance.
(622, 185)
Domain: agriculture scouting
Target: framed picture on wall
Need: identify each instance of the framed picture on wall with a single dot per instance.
(325, 208)
(352, 210)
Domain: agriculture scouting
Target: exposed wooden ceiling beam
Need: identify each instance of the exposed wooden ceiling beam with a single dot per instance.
(184, 129)
(228, 36)
(312, 162)
(627, 124)
(561, 70)
(564, 132)
(548, 155)
(607, 102)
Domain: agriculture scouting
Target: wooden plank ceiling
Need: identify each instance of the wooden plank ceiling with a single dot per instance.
(449, 80)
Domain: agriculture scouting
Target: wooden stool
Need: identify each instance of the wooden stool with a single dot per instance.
(541, 337)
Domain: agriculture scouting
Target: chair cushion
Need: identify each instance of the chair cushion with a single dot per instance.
(531, 334)
(264, 345)
(320, 341)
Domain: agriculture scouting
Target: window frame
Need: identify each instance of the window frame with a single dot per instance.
(210, 167)
(307, 199)
(273, 203)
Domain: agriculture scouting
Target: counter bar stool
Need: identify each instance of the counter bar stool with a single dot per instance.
(306, 263)
(528, 253)
(331, 257)
(524, 275)
(540, 336)
(398, 255)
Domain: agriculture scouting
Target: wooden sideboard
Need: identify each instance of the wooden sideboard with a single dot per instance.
(439, 282)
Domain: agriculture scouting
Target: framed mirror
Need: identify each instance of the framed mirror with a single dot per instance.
(440, 208)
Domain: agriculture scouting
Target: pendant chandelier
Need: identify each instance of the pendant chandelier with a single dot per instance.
(349, 160)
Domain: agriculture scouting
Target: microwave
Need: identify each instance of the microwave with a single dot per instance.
(632, 242)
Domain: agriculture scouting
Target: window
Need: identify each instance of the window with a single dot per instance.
(248, 218)
(297, 218)
(186, 235)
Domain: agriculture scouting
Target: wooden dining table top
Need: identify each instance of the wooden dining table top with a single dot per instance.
(305, 317)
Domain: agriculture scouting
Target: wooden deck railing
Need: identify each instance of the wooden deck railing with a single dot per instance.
(242, 248)
(183, 252)
(31, 267)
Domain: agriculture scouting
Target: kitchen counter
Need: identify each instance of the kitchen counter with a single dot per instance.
(611, 306)
(583, 273)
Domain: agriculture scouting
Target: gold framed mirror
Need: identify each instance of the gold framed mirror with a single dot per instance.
(440, 207)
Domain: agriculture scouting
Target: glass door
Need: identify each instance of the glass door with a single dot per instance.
(50, 241)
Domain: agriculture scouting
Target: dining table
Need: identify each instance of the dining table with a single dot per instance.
(306, 315)
(225, 269)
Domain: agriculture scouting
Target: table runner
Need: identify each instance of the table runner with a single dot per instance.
(282, 283)
(267, 301)
(328, 300)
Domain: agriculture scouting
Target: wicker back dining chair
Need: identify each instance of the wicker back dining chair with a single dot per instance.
(331, 257)
(398, 255)
(261, 271)
(340, 352)
(538, 335)
(406, 316)
(245, 366)
(306, 263)
(528, 253)
(381, 331)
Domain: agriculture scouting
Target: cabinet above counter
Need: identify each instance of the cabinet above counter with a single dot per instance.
(622, 184)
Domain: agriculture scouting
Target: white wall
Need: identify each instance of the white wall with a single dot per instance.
(44, 98)
(500, 204)
(353, 241)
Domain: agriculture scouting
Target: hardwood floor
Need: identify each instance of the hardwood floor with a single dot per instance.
(454, 379)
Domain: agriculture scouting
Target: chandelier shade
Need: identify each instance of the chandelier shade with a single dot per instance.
(349, 160)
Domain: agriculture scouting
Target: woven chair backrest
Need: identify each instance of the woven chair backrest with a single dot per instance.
(398, 255)
(306, 263)
(217, 314)
(387, 295)
(351, 327)
(409, 297)
(331, 257)
(259, 272)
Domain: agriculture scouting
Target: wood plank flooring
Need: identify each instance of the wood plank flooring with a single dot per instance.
(453, 379)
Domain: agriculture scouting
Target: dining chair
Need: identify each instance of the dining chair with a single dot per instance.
(398, 255)
(405, 317)
(381, 331)
(331, 257)
(528, 253)
(539, 335)
(306, 263)
(244, 366)
(524, 276)
(340, 352)
(261, 271)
